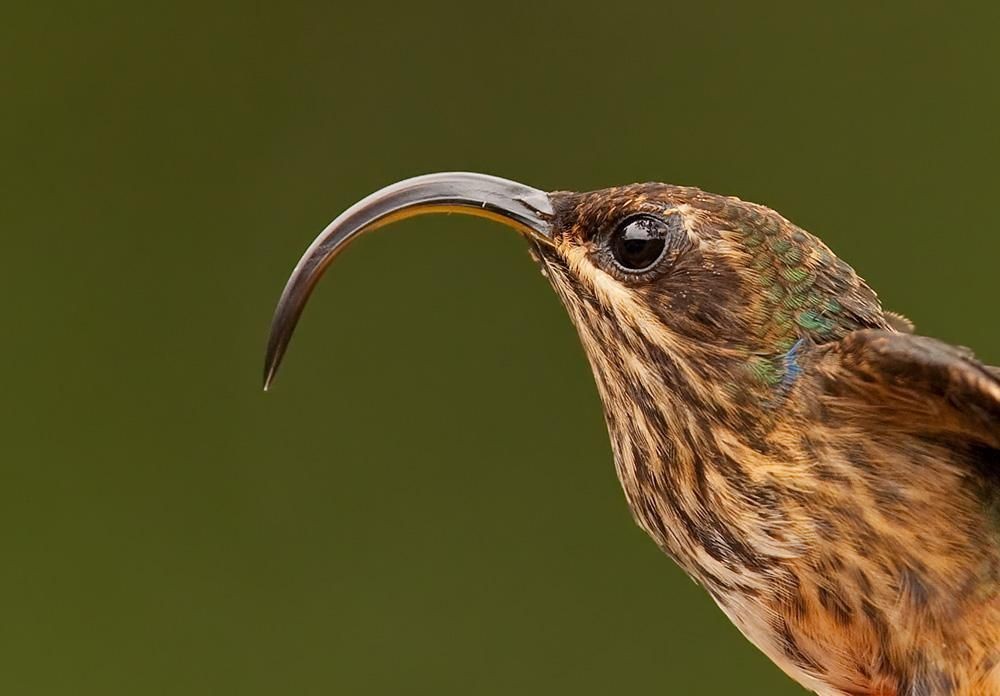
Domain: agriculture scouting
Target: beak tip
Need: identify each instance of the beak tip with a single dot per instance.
(270, 370)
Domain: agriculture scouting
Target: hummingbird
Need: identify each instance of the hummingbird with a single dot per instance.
(830, 477)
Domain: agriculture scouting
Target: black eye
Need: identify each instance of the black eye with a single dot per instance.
(638, 243)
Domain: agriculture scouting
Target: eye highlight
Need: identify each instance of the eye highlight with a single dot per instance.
(638, 243)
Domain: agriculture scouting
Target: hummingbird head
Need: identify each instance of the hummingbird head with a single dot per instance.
(655, 277)
(691, 308)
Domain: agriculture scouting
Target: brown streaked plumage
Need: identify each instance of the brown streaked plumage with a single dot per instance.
(831, 478)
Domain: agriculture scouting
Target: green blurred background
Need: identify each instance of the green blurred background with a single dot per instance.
(426, 502)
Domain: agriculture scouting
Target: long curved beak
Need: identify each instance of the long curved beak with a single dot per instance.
(524, 208)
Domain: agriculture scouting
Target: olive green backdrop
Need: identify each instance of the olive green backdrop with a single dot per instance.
(426, 502)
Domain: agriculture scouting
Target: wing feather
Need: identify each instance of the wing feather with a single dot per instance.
(913, 382)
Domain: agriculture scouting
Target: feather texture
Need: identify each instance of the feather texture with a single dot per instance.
(830, 478)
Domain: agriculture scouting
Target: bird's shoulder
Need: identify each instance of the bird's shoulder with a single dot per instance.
(905, 381)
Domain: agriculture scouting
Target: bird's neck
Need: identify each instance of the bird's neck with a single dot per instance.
(684, 424)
